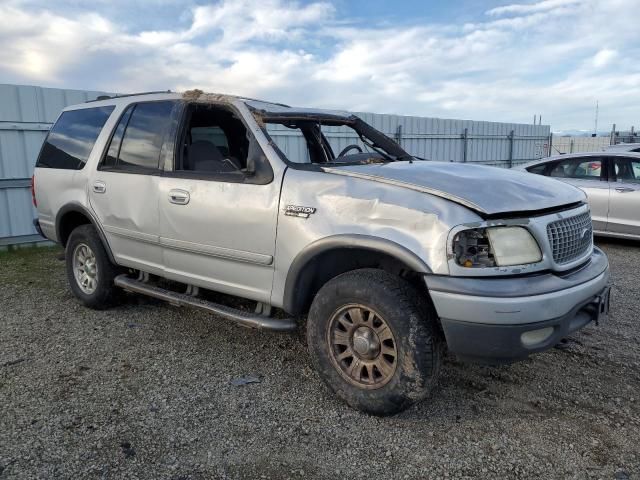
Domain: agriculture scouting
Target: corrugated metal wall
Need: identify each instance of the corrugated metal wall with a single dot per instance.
(26, 113)
(578, 144)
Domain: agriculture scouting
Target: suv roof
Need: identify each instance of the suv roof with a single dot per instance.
(271, 108)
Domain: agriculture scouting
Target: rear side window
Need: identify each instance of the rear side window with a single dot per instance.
(72, 138)
(538, 169)
(114, 146)
(627, 170)
(589, 168)
(137, 140)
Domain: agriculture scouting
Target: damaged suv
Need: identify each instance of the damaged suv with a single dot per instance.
(316, 214)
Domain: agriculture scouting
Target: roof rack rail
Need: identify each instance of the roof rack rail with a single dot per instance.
(108, 97)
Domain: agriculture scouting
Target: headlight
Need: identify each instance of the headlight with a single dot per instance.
(495, 246)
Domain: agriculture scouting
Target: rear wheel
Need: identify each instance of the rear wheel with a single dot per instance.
(373, 340)
(89, 271)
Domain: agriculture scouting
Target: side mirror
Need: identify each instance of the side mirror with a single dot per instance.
(258, 166)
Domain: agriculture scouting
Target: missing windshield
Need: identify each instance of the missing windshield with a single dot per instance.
(330, 140)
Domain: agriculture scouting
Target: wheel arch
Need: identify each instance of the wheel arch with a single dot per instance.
(72, 216)
(331, 256)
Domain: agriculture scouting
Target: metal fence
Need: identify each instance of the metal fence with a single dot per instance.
(27, 113)
(490, 143)
(578, 144)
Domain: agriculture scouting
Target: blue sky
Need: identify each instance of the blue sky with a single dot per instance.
(482, 60)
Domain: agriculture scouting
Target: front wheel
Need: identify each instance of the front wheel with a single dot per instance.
(373, 341)
(89, 271)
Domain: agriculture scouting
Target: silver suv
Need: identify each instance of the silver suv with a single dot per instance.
(389, 257)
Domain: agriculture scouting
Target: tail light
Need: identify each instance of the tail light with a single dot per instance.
(33, 191)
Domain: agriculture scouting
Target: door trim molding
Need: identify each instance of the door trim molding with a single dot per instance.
(220, 252)
(198, 248)
(132, 234)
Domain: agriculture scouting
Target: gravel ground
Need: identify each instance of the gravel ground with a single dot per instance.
(145, 390)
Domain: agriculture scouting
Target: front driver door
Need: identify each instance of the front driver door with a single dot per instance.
(218, 215)
(590, 175)
(624, 210)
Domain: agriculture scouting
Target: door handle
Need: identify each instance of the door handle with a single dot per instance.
(625, 189)
(179, 197)
(99, 186)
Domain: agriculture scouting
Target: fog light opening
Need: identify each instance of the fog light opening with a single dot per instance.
(533, 337)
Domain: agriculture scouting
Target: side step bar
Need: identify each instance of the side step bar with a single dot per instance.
(246, 319)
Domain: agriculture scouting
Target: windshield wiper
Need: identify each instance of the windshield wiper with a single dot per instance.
(376, 149)
(366, 161)
(410, 158)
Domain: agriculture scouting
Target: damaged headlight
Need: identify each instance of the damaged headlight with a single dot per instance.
(495, 247)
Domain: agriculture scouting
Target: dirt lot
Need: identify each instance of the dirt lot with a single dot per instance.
(144, 391)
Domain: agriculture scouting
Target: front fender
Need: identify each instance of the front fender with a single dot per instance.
(344, 212)
(294, 285)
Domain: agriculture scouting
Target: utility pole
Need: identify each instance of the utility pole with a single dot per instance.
(612, 138)
(595, 130)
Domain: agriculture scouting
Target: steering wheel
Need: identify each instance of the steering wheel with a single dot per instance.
(353, 146)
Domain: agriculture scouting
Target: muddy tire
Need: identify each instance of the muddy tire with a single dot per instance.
(373, 340)
(89, 271)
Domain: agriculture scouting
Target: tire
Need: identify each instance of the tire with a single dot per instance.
(85, 239)
(408, 325)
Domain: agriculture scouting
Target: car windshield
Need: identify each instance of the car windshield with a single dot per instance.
(331, 141)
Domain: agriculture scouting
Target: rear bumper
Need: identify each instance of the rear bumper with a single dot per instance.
(36, 224)
(503, 320)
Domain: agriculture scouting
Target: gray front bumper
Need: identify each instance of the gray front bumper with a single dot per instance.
(484, 319)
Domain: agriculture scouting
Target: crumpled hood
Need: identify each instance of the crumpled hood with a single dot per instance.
(487, 190)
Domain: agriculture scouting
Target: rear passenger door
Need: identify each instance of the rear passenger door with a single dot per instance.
(624, 210)
(123, 191)
(590, 175)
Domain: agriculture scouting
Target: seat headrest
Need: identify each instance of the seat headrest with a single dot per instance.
(205, 157)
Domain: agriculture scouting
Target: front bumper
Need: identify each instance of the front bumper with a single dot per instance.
(501, 320)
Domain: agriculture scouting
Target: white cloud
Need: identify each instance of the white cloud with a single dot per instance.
(525, 8)
(550, 58)
(604, 57)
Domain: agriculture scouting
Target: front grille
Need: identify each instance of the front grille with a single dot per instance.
(570, 238)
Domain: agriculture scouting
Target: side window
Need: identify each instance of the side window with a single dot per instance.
(582, 168)
(111, 158)
(538, 169)
(144, 135)
(627, 170)
(72, 138)
(214, 141)
(137, 139)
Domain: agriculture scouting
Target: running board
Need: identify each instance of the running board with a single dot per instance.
(246, 319)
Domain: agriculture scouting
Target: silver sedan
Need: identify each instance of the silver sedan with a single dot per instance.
(611, 181)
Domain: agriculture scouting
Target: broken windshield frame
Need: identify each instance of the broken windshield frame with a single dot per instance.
(382, 148)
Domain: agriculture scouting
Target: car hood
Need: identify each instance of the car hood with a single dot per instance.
(486, 190)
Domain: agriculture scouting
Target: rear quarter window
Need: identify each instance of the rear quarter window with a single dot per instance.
(538, 169)
(72, 138)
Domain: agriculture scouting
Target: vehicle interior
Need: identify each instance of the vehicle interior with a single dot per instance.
(330, 141)
(213, 140)
(579, 168)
